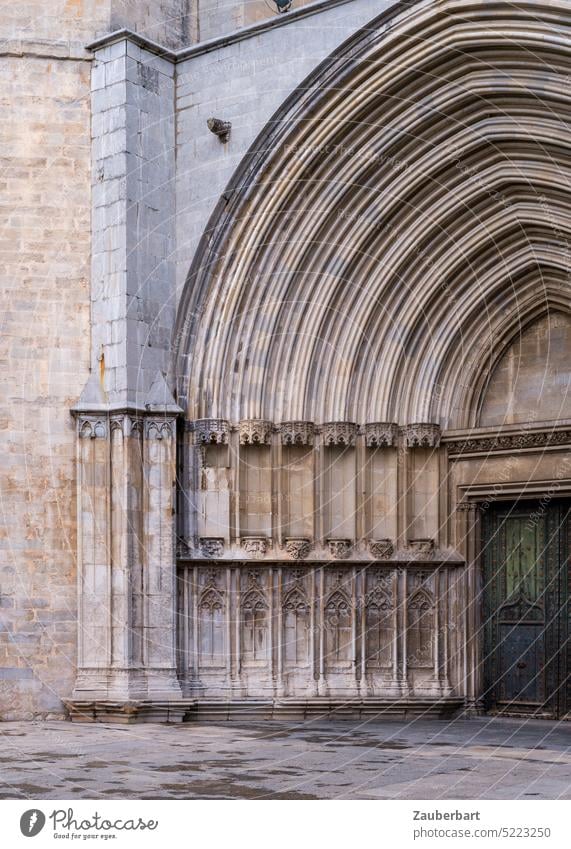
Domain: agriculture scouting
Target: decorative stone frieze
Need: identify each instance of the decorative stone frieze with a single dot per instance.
(339, 433)
(339, 548)
(510, 442)
(212, 546)
(298, 548)
(422, 435)
(381, 549)
(255, 546)
(421, 549)
(381, 434)
(211, 431)
(297, 433)
(255, 432)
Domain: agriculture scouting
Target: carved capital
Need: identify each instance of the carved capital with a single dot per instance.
(422, 435)
(183, 547)
(92, 427)
(339, 433)
(212, 546)
(255, 432)
(159, 428)
(381, 434)
(339, 548)
(381, 549)
(255, 546)
(211, 431)
(297, 433)
(421, 549)
(298, 548)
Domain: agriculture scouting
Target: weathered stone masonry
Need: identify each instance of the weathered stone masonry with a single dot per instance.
(263, 383)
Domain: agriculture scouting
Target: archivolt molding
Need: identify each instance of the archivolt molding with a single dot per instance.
(374, 250)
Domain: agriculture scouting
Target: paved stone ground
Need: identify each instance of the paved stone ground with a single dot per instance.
(459, 759)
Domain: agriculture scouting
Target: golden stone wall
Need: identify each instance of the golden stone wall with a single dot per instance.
(44, 138)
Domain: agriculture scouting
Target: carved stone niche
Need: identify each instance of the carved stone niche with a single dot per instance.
(381, 549)
(298, 548)
(212, 546)
(297, 433)
(339, 548)
(255, 432)
(422, 435)
(211, 431)
(339, 433)
(421, 549)
(381, 435)
(255, 546)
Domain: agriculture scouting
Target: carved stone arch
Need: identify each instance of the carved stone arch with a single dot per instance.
(465, 406)
(296, 628)
(254, 599)
(211, 627)
(296, 599)
(254, 626)
(438, 222)
(379, 628)
(379, 599)
(532, 321)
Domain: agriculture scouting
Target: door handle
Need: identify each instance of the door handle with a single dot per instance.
(522, 664)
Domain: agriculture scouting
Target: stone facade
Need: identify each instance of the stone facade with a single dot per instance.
(255, 432)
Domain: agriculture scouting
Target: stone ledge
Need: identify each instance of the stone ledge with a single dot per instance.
(205, 710)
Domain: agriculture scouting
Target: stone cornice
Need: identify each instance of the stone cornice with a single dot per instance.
(125, 410)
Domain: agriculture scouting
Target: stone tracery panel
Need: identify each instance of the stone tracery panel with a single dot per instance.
(305, 630)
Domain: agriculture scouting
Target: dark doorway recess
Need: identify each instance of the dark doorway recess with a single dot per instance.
(525, 550)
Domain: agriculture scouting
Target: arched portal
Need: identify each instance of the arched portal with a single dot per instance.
(343, 336)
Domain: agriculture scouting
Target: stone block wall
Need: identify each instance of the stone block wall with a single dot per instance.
(44, 342)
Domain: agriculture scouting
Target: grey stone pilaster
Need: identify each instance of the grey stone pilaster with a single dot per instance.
(133, 162)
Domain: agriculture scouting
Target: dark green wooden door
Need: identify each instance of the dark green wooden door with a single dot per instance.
(526, 608)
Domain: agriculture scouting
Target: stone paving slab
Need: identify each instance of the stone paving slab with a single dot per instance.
(457, 759)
